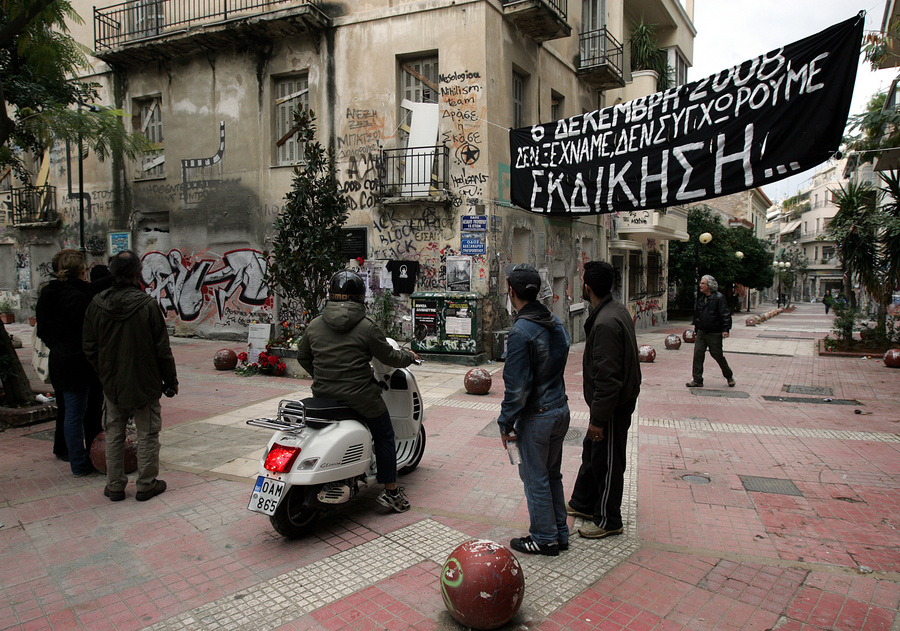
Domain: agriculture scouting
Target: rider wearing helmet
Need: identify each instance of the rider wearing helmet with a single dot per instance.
(336, 350)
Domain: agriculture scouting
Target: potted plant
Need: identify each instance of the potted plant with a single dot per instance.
(647, 55)
(6, 313)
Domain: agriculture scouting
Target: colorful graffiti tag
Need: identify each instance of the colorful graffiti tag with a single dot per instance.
(205, 286)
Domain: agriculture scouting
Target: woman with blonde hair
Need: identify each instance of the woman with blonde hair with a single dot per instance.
(60, 318)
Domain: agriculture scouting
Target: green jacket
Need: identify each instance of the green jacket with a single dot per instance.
(336, 349)
(126, 341)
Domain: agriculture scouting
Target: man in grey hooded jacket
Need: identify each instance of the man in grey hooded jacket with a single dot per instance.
(126, 341)
(336, 349)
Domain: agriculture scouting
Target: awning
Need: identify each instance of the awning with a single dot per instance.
(790, 227)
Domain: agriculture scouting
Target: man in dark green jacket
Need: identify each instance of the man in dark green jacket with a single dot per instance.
(126, 341)
(336, 349)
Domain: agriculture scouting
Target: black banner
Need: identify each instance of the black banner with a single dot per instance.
(764, 120)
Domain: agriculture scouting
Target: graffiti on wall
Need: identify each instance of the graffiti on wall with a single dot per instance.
(23, 270)
(229, 289)
(646, 313)
(200, 173)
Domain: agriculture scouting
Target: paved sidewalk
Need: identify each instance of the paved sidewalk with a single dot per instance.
(771, 505)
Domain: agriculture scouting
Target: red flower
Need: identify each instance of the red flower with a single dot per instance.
(242, 357)
(279, 370)
(273, 360)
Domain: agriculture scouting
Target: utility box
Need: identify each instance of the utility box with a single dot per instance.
(447, 322)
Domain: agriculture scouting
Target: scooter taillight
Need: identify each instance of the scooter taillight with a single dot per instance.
(281, 458)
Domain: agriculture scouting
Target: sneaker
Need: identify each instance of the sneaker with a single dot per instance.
(576, 513)
(394, 499)
(114, 496)
(529, 546)
(731, 383)
(158, 487)
(593, 531)
(694, 384)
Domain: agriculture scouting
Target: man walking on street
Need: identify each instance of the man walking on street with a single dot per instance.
(126, 341)
(712, 323)
(535, 411)
(612, 382)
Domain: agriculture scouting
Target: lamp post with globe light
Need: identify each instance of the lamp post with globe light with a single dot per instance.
(704, 238)
(781, 268)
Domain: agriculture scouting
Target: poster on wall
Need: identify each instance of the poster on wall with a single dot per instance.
(761, 121)
(459, 273)
(258, 336)
(117, 242)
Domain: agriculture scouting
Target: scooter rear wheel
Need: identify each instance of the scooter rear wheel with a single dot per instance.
(296, 516)
(417, 455)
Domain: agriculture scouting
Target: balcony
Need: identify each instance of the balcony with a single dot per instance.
(540, 20)
(415, 174)
(651, 224)
(601, 60)
(34, 207)
(145, 30)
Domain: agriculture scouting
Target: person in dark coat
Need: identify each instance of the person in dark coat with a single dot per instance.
(712, 323)
(60, 316)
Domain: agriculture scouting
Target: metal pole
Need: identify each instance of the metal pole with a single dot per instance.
(80, 187)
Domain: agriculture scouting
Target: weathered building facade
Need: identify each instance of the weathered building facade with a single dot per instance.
(415, 97)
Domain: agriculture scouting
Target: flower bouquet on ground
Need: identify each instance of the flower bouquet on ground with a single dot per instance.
(288, 336)
(265, 364)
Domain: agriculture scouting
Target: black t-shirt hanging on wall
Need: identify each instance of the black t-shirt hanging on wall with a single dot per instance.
(403, 275)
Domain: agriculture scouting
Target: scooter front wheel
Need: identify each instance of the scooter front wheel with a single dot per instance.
(297, 514)
(419, 450)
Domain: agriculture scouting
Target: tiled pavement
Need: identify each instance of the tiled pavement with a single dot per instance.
(817, 547)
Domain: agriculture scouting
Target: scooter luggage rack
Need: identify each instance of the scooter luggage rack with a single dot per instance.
(288, 421)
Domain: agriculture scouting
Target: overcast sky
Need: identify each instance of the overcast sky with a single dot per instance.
(732, 31)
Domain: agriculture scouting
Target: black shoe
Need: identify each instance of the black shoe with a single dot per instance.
(529, 546)
(694, 384)
(158, 487)
(563, 546)
(114, 496)
(731, 383)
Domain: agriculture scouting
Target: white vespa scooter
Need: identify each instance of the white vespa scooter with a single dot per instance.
(321, 452)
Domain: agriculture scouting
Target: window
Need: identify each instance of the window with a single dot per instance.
(518, 84)
(148, 120)
(556, 106)
(679, 67)
(291, 93)
(654, 273)
(418, 84)
(635, 275)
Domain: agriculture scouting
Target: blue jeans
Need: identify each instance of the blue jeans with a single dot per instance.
(73, 428)
(385, 450)
(540, 438)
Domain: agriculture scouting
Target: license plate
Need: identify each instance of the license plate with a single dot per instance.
(266, 495)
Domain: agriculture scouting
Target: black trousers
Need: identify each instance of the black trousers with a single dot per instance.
(601, 479)
(713, 342)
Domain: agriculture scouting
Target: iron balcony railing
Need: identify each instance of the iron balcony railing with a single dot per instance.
(558, 5)
(415, 171)
(34, 205)
(138, 19)
(601, 47)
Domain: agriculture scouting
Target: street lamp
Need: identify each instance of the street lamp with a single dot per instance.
(781, 267)
(739, 256)
(704, 238)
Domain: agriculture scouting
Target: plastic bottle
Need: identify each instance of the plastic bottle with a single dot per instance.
(512, 450)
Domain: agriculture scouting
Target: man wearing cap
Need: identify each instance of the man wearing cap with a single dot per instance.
(535, 411)
(612, 382)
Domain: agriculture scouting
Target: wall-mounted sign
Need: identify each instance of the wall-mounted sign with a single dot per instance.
(472, 244)
(474, 223)
(355, 245)
(117, 242)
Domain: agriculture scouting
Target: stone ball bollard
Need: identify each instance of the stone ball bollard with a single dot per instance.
(892, 358)
(673, 342)
(690, 336)
(482, 584)
(751, 321)
(646, 353)
(97, 453)
(478, 381)
(225, 359)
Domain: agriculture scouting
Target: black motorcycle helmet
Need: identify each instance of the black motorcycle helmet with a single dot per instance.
(347, 286)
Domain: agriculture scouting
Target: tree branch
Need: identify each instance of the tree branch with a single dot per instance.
(12, 29)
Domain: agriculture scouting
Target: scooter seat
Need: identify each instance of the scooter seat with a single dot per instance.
(323, 409)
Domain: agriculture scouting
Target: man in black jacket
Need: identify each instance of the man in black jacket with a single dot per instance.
(712, 322)
(612, 383)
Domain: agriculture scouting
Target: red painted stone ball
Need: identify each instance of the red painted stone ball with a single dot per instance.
(751, 321)
(646, 353)
(225, 359)
(689, 336)
(482, 584)
(673, 342)
(478, 381)
(98, 452)
(892, 358)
